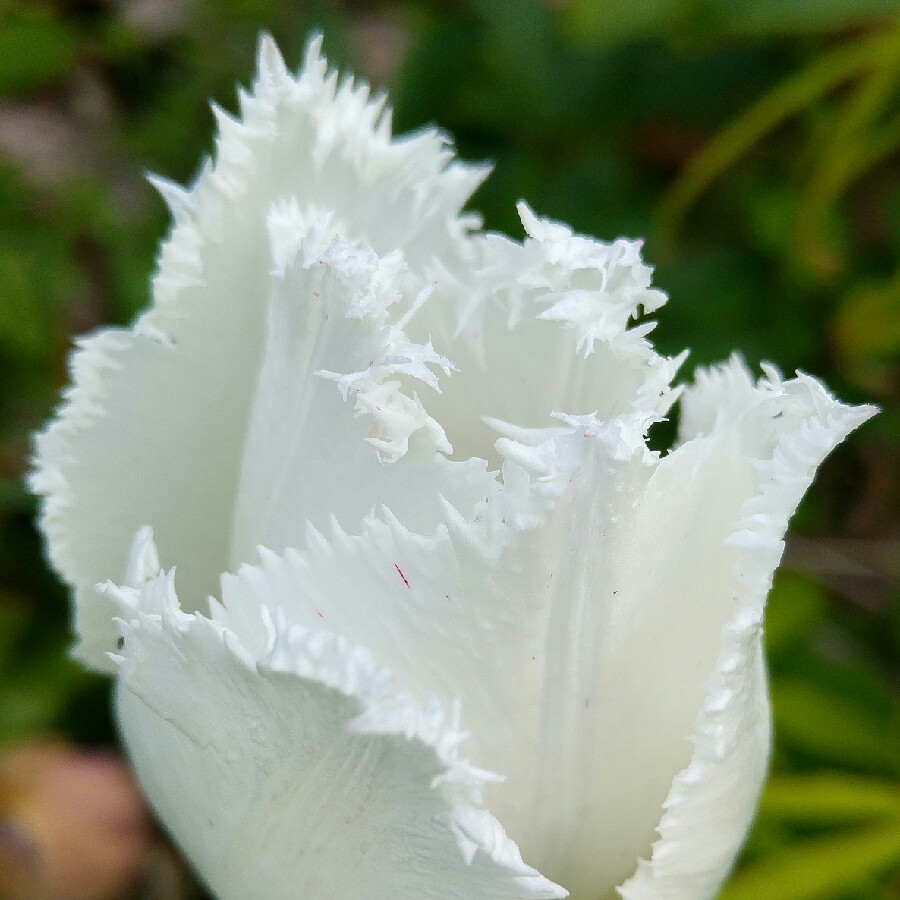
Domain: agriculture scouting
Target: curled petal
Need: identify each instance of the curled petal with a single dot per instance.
(302, 772)
(548, 324)
(711, 804)
(786, 429)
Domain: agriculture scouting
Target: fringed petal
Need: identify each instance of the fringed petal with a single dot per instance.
(579, 611)
(555, 323)
(154, 427)
(337, 427)
(302, 772)
(501, 607)
(783, 430)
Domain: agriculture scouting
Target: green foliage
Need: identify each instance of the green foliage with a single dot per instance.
(33, 52)
(796, 608)
(775, 18)
(607, 22)
(817, 725)
(821, 868)
(830, 798)
(880, 54)
(753, 144)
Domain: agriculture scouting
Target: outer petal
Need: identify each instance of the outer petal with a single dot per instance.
(580, 614)
(712, 802)
(302, 774)
(154, 426)
(713, 799)
(503, 609)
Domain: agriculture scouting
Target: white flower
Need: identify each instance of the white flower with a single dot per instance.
(311, 418)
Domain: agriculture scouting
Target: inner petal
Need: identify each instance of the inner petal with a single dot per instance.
(336, 427)
(635, 576)
(545, 326)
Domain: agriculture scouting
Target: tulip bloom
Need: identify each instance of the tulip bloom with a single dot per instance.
(445, 626)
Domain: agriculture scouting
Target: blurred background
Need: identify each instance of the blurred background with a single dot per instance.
(755, 145)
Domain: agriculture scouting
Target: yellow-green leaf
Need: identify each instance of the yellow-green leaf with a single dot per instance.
(790, 96)
(819, 869)
(820, 725)
(33, 53)
(867, 323)
(830, 798)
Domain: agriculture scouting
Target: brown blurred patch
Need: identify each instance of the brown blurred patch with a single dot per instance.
(47, 144)
(73, 825)
(862, 571)
(380, 42)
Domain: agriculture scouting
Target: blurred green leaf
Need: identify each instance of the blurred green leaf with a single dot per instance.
(34, 696)
(769, 212)
(777, 18)
(846, 155)
(34, 53)
(829, 798)
(36, 677)
(792, 95)
(828, 728)
(867, 323)
(23, 330)
(795, 607)
(819, 869)
(13, 622)
(609, 21)
(614, 21)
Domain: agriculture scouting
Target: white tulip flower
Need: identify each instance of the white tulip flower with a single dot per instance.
(409, 460)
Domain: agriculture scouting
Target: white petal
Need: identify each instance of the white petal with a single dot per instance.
(303, 773)
(489, 609)
(154, 426)
(337, 426)
(330, 315)
(543, 326)
(712, 801)
(784, 430)
(579, 614)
